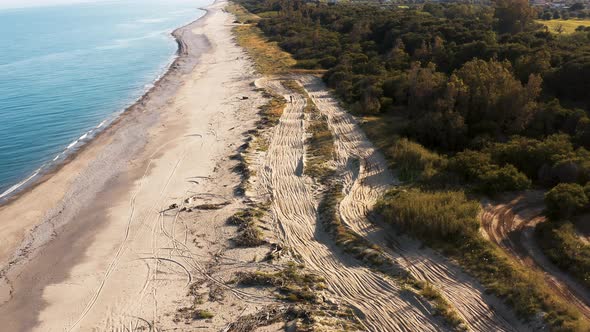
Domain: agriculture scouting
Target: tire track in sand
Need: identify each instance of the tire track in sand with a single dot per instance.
(511, 225)
(365, 175)
(380, 302)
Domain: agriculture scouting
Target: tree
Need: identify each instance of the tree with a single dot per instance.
(490, 93)
(528, 64)
(546, 16)
(577, 6)
(397, 57)
(513, 15)
(565, 200)
(424, 86)
(572, 79)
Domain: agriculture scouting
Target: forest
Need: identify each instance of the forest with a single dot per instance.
(487, 87)
(465, 101)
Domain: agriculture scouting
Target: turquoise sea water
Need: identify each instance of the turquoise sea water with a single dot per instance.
(66, 71)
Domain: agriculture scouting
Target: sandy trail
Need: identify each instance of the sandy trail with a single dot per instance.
(511, 225)
(366, 177)
(117, 258)
(381, 304)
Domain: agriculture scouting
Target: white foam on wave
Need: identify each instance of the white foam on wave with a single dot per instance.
(72, 144)
(163, 70)
(20, 184)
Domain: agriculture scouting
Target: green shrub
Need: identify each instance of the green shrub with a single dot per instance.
(413, 161)
(203, 314)
(448, 215)
(479, 168)
(471, 164)
(502, 179)
(565, 200)
(560, 243)
(530, 155)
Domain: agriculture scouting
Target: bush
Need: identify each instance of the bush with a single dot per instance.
(413, 161)
(478, 167)
(448, 215)
(507, 178)
(530, 155)
(471, 164)
(203, 314)
(565, 200)
(560, 243)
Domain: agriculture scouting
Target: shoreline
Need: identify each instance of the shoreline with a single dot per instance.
(66, 186)
(48, 169)
(82, 250)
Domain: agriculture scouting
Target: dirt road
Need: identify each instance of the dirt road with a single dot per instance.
(510, 223)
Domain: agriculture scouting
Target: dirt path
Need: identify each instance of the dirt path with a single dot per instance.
(366, 177)
(381, 304)
(511, 225)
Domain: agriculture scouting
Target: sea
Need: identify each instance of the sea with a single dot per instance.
(68, 70)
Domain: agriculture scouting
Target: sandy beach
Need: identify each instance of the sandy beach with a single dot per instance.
(81, 250)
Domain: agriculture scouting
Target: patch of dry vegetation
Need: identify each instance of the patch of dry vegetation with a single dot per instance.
(370, 253)
(308, 310)
(564, 26)
(249, 232)
(271, 111)
(292, 283)
(561, 244)
(449, 222)
(193, 312)
(242, 14)
(441, 305)
(294, 86)
(242, 167)
(267, 56)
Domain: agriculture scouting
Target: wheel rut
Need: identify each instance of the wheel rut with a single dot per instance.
(366, 177)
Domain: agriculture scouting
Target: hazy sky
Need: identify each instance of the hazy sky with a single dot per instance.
(33, 3)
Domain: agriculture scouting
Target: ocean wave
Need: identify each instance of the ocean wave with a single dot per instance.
(73, 147)
(20, 184)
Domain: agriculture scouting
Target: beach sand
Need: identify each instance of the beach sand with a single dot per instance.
(88, 249)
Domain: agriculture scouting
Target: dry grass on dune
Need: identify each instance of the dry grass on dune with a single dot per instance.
(267, 56)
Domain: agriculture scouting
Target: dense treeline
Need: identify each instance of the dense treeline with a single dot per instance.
(477, 78)
(459, 96)
(575, 11)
